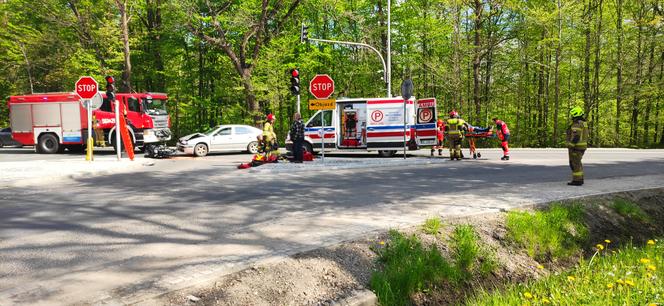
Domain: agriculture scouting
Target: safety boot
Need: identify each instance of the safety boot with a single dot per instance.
(505, 158)
(440, 152)
(432, 152)
(575, 183)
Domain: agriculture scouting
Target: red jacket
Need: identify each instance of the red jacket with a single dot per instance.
(502, 127)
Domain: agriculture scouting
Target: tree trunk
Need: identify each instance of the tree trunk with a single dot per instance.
(540, 89)
(124, 25)
(456, 102)
(634, 133)
(478, 9)
(595, 126)
(554, 139)
(252, 104)
(651, 68)
(153, 25)
(619, 81)
(27, 67)
(586, 63)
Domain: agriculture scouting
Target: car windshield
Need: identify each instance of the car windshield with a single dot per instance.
(154, 106)
(211, 131)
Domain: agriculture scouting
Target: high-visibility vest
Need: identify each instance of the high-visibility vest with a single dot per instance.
(455, 126)
(578, 128)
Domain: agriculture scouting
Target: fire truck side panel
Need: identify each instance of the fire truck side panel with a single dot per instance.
(21, 123)
(71, 123)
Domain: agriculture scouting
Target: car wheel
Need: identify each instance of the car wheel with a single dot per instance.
(306, 147)
(252, 147)
(48, 144)
(386, 153)
(200, 150)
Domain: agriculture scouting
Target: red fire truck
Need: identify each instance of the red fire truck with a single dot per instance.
(55, 121)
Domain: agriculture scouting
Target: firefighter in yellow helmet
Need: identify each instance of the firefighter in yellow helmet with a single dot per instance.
(577, 142)
(454, 131)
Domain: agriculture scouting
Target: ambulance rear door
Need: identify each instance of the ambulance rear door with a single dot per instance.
(425, 125)
(385, 123)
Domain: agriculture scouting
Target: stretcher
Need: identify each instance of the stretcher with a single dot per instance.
(472, 136)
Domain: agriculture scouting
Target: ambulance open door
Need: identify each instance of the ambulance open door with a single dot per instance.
(425, 125)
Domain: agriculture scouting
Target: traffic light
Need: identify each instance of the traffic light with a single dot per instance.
(304, 34)
(295, 82)
(110, 88)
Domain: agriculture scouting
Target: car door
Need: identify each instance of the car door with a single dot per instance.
(242, 136)
(222, 140)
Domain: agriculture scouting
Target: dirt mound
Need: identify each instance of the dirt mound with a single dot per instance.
(323, 276)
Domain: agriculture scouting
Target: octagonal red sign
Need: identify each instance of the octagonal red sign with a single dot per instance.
(321, 86)
(86, 87)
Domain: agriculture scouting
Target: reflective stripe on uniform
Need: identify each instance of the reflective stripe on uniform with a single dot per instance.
(580, 173)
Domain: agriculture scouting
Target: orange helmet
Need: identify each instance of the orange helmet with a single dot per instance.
(269, 117)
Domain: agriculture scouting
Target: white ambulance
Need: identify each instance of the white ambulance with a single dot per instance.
(375, 124)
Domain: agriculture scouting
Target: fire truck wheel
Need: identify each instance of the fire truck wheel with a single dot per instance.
(252, 147)
(48, 144)
(200, 150)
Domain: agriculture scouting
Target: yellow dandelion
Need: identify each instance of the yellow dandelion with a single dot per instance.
(651, 242)
(571, 278)
(545, 301)
(629, 283)
(644, 260)
(648, 275)
(607, 241)
(652, 304)
(620, 281)
(382, 242)
(652, 268)
(528, 295)
(540, 267)
(609, 285)
(599, 247)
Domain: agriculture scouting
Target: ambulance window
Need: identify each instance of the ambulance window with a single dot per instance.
(328, 117)
(133, 104)
(315, 121)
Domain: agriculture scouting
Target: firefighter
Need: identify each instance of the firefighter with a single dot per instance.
(577, 137)
(269, 137)
(99, 133)
(440, 137)
(504, 135)
(455, 131)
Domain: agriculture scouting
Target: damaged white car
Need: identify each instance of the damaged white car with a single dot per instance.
(222, 138)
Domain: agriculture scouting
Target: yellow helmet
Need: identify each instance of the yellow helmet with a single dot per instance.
(576, 111)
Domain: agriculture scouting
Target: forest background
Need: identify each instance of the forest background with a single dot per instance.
(525, 61)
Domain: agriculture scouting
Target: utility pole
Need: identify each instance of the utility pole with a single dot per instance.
(389, 50)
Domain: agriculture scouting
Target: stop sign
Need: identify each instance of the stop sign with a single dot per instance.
(86, 87)
(321, 86)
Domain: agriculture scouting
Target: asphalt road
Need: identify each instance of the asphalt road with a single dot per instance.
(124, 238)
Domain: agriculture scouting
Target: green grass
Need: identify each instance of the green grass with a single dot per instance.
(432, 226)
(552, 233)
(628, 276)
(469, 254)
(408, 267)
(629, 210)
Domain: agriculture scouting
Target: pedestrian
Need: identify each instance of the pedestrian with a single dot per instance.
(297, 136)
(440, 137)
(269, 137)
(454, 130)
(504, 135)
(577, 137)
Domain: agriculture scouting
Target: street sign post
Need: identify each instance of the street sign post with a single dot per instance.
(406, 93)
(87, 88)
(321, 86)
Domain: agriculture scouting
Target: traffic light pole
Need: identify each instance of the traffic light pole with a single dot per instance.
(386, 74)
(298, 104)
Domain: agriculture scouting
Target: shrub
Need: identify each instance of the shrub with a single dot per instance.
(432, 226)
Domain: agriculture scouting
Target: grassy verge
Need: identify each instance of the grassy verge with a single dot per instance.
(629, 210)
(552, 233)
(409, 267)
(627, 276)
